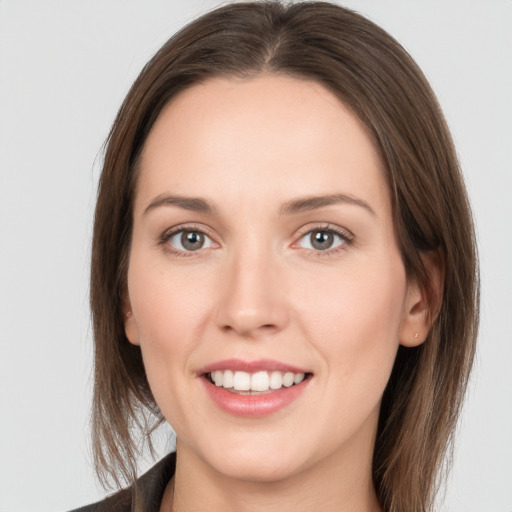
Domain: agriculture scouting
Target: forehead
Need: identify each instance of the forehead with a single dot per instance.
(271, 135)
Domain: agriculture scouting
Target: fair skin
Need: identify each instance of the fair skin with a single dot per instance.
(263, 275)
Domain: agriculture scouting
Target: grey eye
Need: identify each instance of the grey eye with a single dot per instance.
(321, 240)
(189, 241)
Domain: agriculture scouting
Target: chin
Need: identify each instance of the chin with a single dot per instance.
(263, 467)
(253, 457)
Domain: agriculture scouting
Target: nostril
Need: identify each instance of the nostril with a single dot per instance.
(248, 329)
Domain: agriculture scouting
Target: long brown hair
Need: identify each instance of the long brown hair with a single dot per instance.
(373, 75)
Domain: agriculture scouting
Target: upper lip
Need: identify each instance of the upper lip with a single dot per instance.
(251, 366)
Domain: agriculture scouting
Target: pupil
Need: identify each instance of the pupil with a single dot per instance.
(322, 240)
(192, 241)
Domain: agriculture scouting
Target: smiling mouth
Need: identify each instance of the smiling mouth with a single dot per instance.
(257, 383)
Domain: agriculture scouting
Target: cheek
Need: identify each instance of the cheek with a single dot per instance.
(154, 300)
(170, 309)
(165, 303)
(355, 321)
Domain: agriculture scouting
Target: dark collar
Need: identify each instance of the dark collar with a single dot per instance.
(151, 486)
(154, 482)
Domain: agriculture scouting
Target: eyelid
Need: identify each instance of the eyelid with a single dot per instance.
(325, 226)
(164, 238)
(343, 233)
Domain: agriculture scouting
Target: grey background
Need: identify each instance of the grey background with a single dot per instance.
(64, 68)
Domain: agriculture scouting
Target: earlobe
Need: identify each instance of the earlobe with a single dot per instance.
(422, 304)
(130, 325)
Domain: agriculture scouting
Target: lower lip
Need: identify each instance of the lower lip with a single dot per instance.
(254, 406)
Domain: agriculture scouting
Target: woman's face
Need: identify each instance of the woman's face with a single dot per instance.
(263, 253)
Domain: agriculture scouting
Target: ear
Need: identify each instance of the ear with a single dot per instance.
(422, 304)
(130, 325)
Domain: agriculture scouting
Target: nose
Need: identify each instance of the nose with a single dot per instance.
(253, 301)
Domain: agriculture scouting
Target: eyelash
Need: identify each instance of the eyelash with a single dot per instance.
(167, 235)
(346, 237)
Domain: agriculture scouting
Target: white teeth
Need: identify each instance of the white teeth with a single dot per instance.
(276, 380)
(242, 381)
(227, 379)
(288, 379)
(298, 378)
(217, 377)
(260, 381)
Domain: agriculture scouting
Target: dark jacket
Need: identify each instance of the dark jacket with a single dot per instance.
(152, 486)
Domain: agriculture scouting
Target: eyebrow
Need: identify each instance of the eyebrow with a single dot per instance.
(303, 204)
(314, 202)
(193, 204)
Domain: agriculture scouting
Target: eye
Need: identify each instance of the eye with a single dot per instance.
(189, 240)
(322, 240)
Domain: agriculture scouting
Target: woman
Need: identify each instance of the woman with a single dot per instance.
(283, 268)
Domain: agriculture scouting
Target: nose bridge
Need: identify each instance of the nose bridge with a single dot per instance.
(252, 300)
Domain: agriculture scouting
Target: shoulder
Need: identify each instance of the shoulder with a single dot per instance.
(118, 502)
(151, 486)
